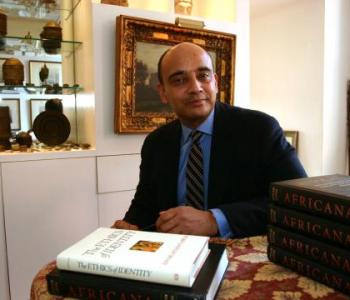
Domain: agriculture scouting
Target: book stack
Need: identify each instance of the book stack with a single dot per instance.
(127, 264)
(309, 228)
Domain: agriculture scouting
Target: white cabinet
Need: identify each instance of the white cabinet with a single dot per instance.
(48, 205)
(4, 284)
(117, 177)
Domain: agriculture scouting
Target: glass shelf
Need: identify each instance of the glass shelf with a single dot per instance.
(13, 45)
(20, 89)
(36, 9)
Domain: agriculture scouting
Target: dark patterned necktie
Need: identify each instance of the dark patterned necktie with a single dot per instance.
(194, 173)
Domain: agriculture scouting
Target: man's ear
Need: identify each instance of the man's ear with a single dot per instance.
(216, 82)
(162, 94)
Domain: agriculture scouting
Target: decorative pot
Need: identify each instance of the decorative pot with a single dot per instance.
(54, 105)
(24, 138)
(52, 37)
(13, 71)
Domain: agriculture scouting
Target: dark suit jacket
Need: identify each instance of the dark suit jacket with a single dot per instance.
(248, 152)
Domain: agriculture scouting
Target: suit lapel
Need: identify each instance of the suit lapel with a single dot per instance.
(172, 153)
(222, 149)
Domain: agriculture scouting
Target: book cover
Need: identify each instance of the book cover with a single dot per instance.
(314, 227)
(321, 252)
(97, 287)
(311, 269)
(139, 255)
(327, 195)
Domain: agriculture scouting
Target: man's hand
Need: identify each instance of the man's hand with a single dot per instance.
(187, 220)
(121, 224)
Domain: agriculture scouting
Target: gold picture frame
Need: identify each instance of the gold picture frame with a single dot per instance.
(292, 138)
(140, 43)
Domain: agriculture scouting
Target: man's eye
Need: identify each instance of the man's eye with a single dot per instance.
(204, 76)
(177, 80)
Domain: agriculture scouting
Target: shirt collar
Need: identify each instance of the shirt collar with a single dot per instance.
(206, 127)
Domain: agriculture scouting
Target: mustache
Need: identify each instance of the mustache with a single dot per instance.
(194, 98)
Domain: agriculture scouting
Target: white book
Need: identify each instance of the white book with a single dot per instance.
(140, 255)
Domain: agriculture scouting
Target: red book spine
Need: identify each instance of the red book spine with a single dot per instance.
(311, 269)
(307, 224)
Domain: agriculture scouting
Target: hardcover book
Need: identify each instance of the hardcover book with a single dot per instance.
(140, 255)
(327, 195)
(314, 227)
(321, 252)
(337, 280)
(88, 286)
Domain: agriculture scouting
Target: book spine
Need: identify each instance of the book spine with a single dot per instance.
(85, 291)
(310, 269)
(314, 227)
(315, 250)
(132, 272)
(319, 203)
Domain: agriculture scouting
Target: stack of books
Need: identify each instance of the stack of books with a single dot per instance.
(309, 228)
(127, 264)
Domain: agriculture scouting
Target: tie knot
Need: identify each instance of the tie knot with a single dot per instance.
(196, 135)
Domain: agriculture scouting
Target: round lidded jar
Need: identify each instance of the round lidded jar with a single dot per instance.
(52, 37)
(13, 71)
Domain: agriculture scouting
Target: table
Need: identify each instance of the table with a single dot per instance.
(250, 276)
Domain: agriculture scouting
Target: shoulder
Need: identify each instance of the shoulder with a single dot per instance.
(244, 117)
(163, 134)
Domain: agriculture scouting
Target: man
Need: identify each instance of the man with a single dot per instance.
(243, 151)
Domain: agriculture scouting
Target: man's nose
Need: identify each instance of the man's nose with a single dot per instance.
(195, 85)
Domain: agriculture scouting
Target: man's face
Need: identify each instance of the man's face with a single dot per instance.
(189, 84)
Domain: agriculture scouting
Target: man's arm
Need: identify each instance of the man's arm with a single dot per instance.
(277, 161)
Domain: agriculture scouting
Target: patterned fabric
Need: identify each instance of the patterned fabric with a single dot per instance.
(250, 276)
(194, 173)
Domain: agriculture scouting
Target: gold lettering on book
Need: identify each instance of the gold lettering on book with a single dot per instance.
(274, 193)
(127, 296)
(314, 272)
(108, 245)
(316, 229)
(316, 204)
(317, 253)
(103, 294)
(112, 269)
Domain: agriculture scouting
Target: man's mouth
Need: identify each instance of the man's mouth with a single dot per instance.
(194, 101)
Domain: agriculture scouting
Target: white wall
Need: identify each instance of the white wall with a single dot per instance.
(287, 72)
(336, 74)
(84, 73)
(300, 63)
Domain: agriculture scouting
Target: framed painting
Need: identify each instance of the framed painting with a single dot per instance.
(54, 75)
(140, 43)
(15, 112)
(36, 107)
(292, 138)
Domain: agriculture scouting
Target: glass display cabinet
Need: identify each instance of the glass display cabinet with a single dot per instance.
(48, 73)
